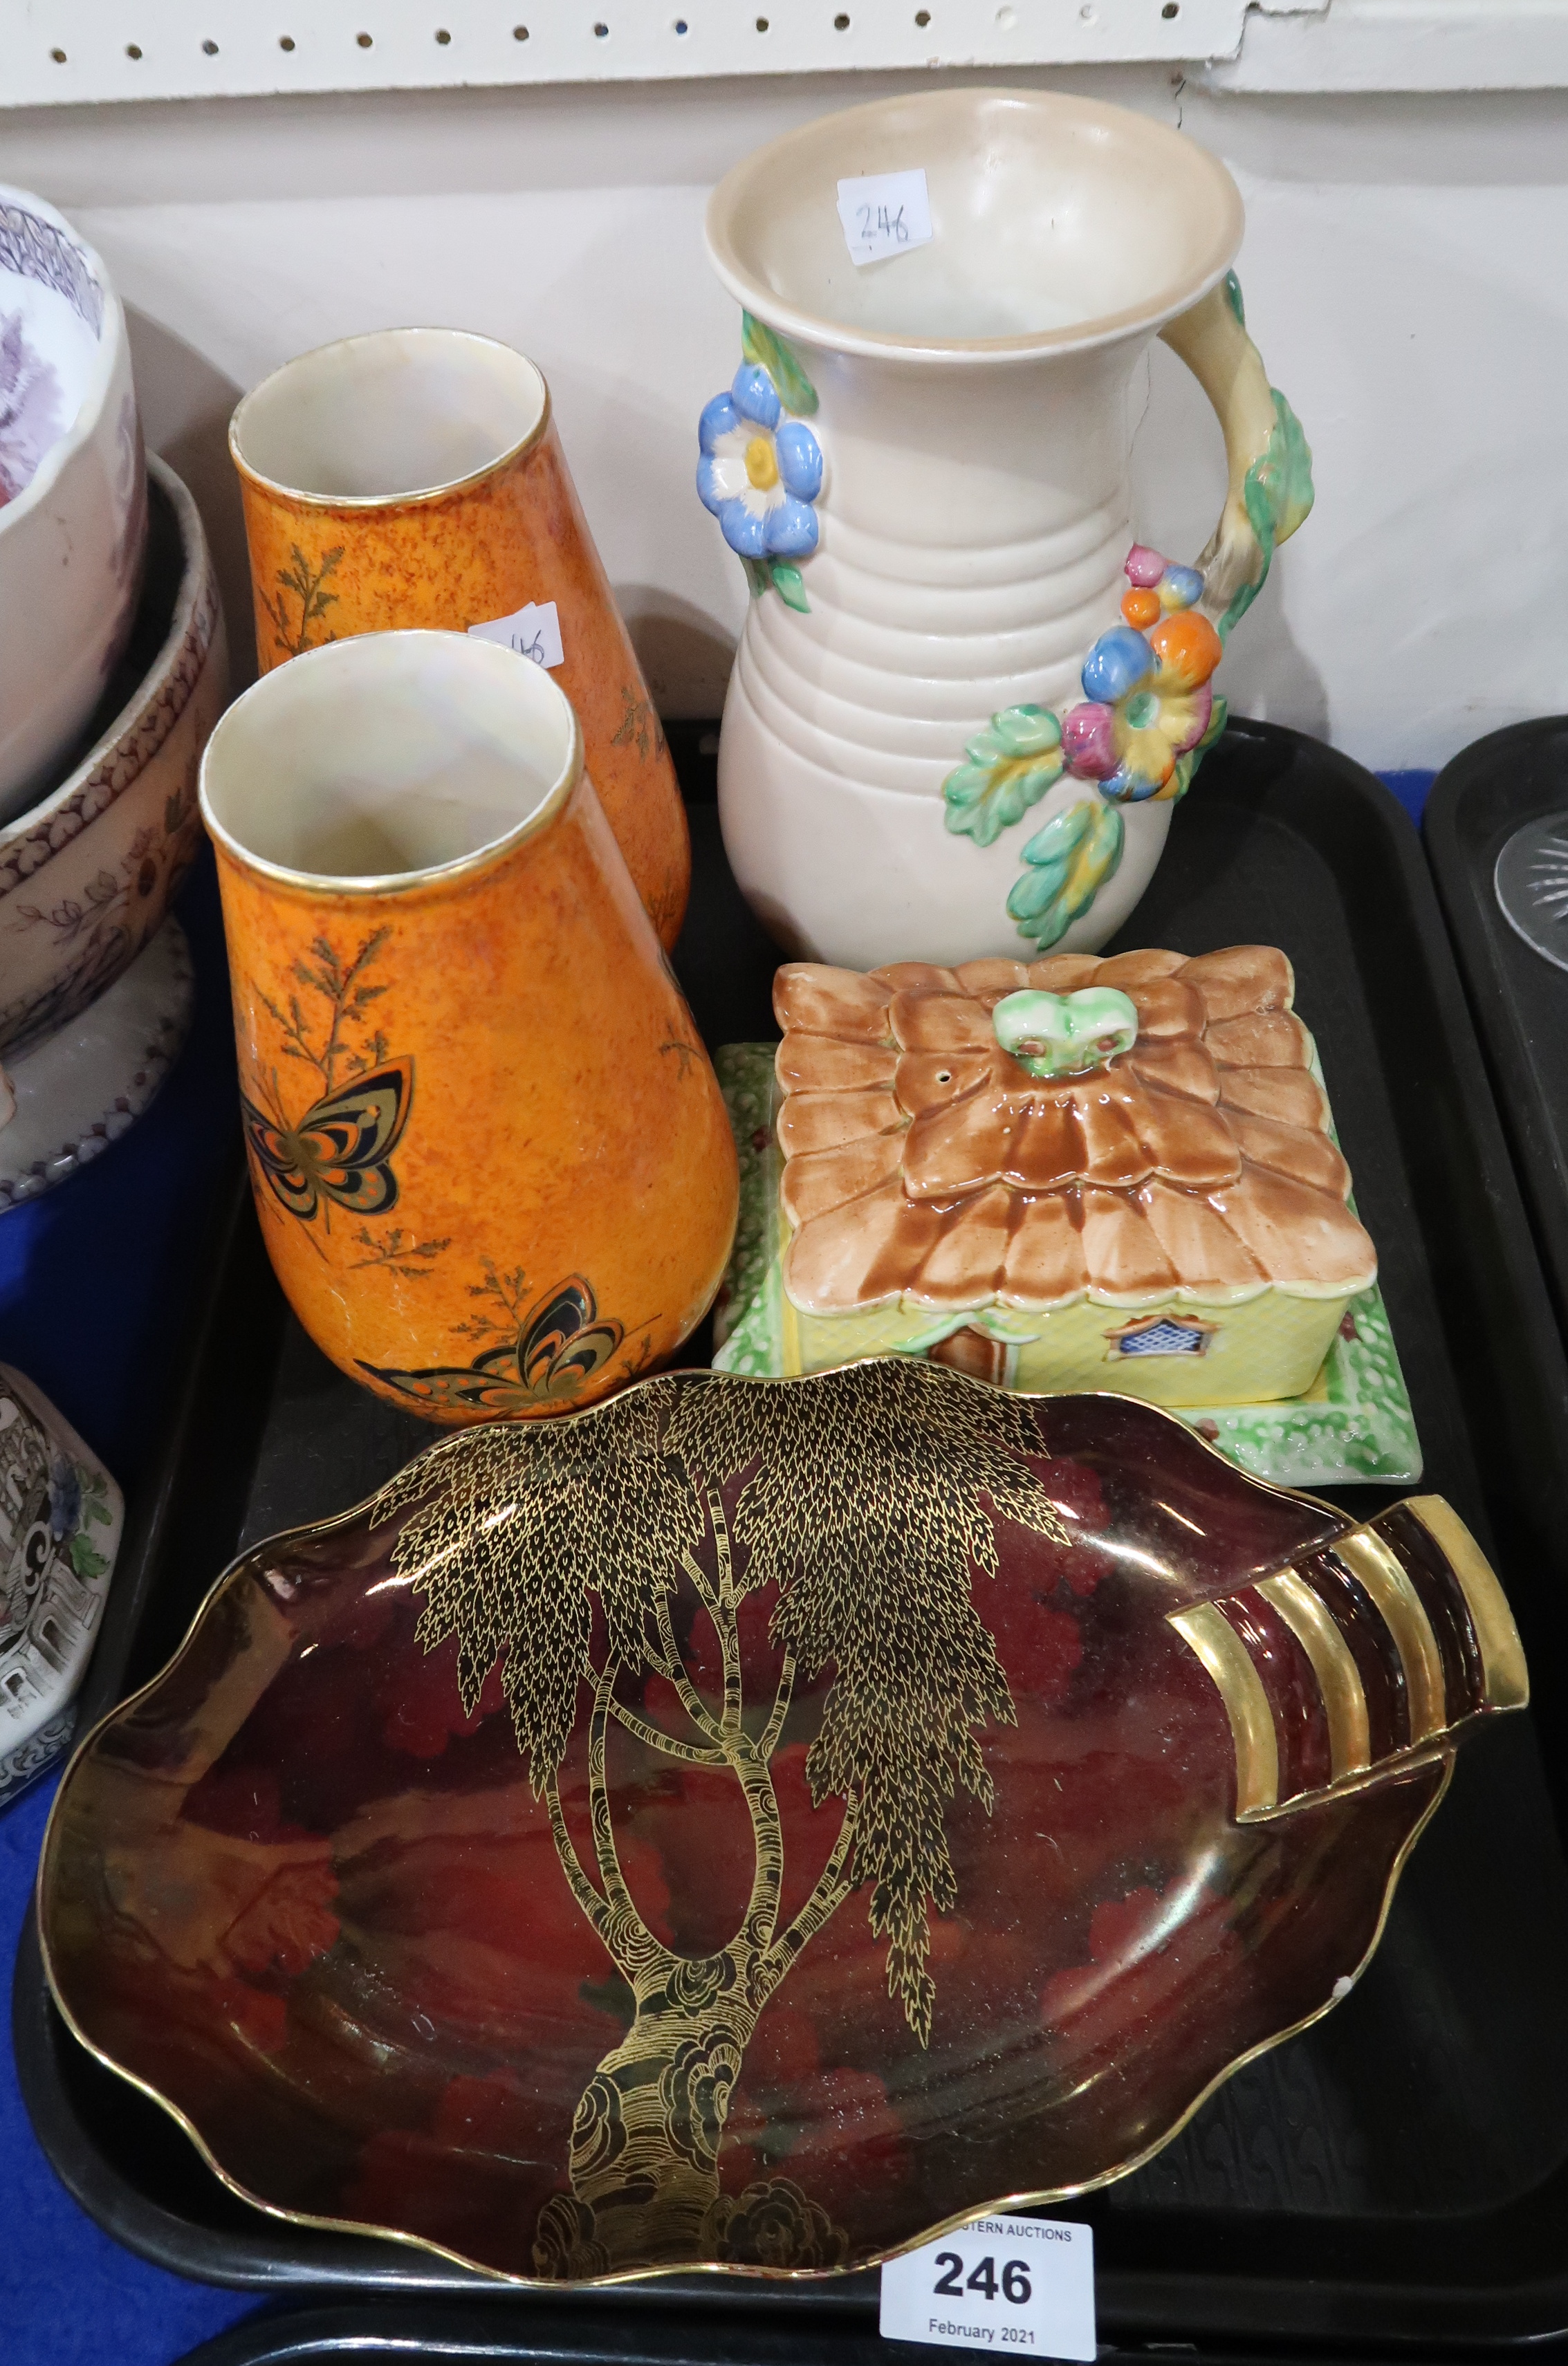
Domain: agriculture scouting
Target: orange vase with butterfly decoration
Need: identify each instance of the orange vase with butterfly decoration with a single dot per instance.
(489, 1155)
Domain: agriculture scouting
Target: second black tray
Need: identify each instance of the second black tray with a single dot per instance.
(1399, 2174)
(1519, 999)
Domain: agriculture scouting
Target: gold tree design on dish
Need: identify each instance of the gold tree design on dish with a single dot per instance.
(868, 1517)
(305, 584)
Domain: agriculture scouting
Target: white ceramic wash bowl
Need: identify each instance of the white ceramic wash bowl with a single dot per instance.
(87, 1084)
(85, 876)
(72, 493)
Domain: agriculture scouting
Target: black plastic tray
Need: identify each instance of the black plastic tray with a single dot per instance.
(476, 2332)
(1398, 2175)
(1518, 998)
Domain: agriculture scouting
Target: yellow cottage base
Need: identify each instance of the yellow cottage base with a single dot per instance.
(1176, 1350)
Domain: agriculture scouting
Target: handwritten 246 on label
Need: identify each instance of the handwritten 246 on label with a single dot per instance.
(884, 213)
(533, 632)
(1020, 2285)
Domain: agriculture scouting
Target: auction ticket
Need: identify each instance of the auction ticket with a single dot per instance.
(1017, 2287)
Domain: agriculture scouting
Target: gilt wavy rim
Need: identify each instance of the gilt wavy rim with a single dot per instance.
(421, 881)
(415, 496)
(1028, 2198)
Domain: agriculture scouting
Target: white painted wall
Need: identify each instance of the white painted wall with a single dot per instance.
(1405, 269)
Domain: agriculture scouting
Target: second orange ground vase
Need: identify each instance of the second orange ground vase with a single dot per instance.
(413, 478)
(492, 1166)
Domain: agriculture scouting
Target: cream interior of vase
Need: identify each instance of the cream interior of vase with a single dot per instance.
(392, 754)
(1056, 219)
(392, 415)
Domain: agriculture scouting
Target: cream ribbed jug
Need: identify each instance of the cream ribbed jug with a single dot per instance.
(965, 699)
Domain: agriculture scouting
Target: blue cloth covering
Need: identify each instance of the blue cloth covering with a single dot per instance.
(1412, 789)
(95, 1283)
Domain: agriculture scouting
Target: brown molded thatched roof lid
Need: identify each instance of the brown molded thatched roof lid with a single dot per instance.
(922, 1160)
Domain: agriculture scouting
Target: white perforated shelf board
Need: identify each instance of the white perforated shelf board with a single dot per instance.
(64, 51)
(1400, 45)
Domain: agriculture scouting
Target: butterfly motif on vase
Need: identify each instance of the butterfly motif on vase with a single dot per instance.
(562, 1342)
(341, 1149)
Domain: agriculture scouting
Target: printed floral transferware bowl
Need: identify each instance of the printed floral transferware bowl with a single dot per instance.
(72, 491)
(61, 1518)
(86, 876)
(754, 1824)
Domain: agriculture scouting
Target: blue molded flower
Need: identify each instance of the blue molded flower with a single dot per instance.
(1128, 787)
(759, 472)
(1181, 587)
(756, 396)
(1116, 664)
(791, 529)
(719, 418)
(64, 1497)
(800, 460)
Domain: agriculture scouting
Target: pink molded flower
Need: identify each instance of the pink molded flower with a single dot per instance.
(1088, 740)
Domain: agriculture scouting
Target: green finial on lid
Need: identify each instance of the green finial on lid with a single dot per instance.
(1066, 1034)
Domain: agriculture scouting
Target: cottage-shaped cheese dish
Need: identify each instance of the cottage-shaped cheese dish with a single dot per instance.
(1077, 1174)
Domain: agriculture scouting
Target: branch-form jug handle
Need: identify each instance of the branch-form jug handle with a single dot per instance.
(1270, 464)
(1149, 713)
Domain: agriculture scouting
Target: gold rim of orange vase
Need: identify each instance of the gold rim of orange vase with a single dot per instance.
(418, 496)
(432, 876)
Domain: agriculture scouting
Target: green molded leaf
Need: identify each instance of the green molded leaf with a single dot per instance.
(789, 586)
(1070, 860)
(1062, 833)
(1027, 730)
(1234, 298)
(1283, 476)
(1030, 896)
(759, 344)
(995, 789)
(758, 575)
(94, 1498)
(1016, 731)
(1277, 494)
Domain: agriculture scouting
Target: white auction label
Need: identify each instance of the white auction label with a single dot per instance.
(533, 632)
(1017, 2286)
(883, 214)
